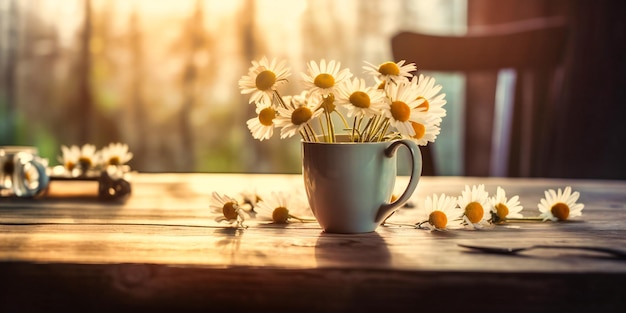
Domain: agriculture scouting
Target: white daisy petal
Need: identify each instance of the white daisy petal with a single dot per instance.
(511, 209)
(560, 204)
(331, 73)
(360, 100)
(390, 71)
(479, 200)
(227, 208)
(249, 84)
(441, 212)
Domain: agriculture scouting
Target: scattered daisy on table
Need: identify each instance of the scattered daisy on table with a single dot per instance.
(560, 205)
(474, 201)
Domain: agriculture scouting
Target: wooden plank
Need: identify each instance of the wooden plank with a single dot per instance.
(163, 288)
(389, 248)
(167, 221)
(162, 250)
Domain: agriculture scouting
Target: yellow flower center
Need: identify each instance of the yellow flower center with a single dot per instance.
(474, 212)
(360, 99)
(324, 81)
(230, 210)
(280, 215)
(301, 115)
(328, 104)
(419, 129)
(265, 80)
(560, 211)
(438, 219)
(27, 177)
(266, 116)
(425, 105)
(84, 162)
(502, 210)
(115, 160)
(389, 68)
(382, 85)
(69, 165)
(400, 111)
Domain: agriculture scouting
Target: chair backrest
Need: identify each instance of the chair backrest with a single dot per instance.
(499, 129)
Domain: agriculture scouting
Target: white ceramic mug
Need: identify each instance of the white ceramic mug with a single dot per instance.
(349, 185)
(22, 172)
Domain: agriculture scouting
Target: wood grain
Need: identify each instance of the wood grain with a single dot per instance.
(162, 250)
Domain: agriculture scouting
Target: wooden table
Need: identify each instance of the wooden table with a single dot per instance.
(161, 250)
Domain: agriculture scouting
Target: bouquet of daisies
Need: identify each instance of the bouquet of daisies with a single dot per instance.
(393, 104)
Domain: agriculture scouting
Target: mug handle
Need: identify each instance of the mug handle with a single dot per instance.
(416, 172)
(43, 178)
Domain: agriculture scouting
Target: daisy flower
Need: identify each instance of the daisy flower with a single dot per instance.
(31, 176)
(402, 107)
(328, 103)
(69, 157)
(89, 157)
(390, 71)
(501, 208)
(359, 99)
(116, 154)
(262, 126)
(228, 208)
(278, 208)
(296, 116)
(442, 211)
(432, 101)
(474, 202)
(426, 130)
(560, 205)
(263, 78)
(325, 78)
(250, 198)
(304, 98)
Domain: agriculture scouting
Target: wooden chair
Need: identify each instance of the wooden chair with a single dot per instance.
(497, 141)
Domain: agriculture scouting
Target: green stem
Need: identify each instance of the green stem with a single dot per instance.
(310, 132)
(523, 219)
(377, 129)
(303, 220)
(401, 224)
(385, 129)
(324, 134)
(332, 128)
(280, 99)
(343, 119)
(304, 135)
(366, 133)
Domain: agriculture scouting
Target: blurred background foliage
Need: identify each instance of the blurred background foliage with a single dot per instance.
(162, 75)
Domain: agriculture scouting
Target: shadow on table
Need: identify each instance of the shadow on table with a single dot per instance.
(360, 250)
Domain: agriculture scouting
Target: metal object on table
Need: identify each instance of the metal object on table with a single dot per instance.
(111, 188)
